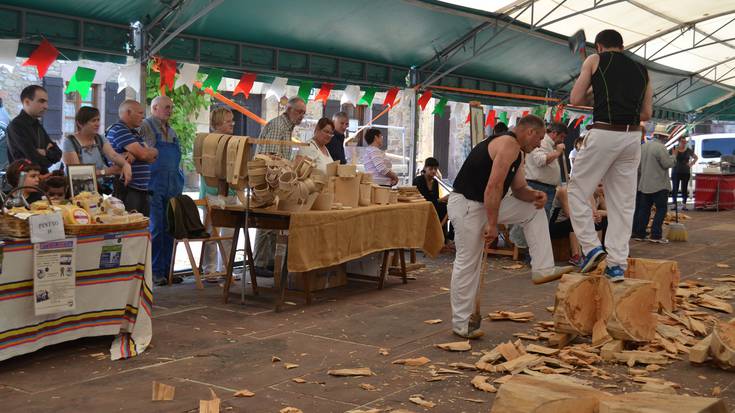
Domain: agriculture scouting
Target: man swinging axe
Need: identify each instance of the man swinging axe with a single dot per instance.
(478, 204)
(620, 91)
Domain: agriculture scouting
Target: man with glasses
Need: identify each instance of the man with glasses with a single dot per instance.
(279, 129)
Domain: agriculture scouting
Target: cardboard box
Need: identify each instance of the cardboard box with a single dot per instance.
(330, 277)
(368, 265)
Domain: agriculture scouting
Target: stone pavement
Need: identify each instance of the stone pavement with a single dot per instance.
(199, 344)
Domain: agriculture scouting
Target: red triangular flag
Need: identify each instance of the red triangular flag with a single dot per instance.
(245, 84)
(490, 121)
(390, 97)
(576, 124)
(42, 57)
(167, 70)
(424, 99)
(525, 113)
(324, 92)
(559, 113)
(468, 119)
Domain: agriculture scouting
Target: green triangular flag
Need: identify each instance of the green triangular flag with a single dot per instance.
(540, 111)
(367, 98)
(81, 82)
(439, 107)
(565, 118)
(503, 117)
(213, 79)
(305, 90)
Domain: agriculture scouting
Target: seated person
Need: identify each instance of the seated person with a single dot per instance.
(23, 172)
(561, 226)
(429, 189)
(55, 188)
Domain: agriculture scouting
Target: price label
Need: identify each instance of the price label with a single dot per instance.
(46, 227)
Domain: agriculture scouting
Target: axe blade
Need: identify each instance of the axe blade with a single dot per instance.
(577, 41)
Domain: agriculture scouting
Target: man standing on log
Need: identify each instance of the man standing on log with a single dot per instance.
(622, 95)
(478, 204)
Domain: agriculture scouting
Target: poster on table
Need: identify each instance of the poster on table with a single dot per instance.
(54, 278)
(111, 251)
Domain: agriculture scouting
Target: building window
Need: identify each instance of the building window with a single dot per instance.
(72, 103)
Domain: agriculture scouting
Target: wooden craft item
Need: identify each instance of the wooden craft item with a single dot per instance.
(332, 168)
(221, 157)
(347, 191)
(198, 149)
(367, 178)
(323, 201)
(209, 158)
(393, 197)
(366, 191)
(347, 171)
(381, 195)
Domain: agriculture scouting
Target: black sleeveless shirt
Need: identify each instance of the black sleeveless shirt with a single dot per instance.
(619, 85)
(475, 172)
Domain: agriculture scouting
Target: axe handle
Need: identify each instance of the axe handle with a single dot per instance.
(483, 271)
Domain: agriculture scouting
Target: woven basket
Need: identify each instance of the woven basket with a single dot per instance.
(95, 229)
(14, 227)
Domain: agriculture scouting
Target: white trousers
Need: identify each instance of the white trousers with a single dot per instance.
(611, 158)
(469, 219)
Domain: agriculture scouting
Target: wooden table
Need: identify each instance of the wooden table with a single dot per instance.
(430, 238)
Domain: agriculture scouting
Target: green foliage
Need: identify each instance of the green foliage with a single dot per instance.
(187, 104)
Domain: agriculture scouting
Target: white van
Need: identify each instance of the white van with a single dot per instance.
(709, 148)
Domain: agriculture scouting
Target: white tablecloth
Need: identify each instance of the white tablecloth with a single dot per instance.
(112, 301)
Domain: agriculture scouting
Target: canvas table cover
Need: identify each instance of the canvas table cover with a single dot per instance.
(109, 301)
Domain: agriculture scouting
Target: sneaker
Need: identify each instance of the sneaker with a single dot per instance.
(575, 260)
(471, 335)
(554, 273)
(615, 274)
(659, 240)
(638, 238)
(592, 259)
(684, 208)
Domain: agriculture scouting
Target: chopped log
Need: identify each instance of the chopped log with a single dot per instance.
(600, 335)
(699, 353)
(707, 301)
(663, 273)
(581, 300)
(527, 394)
(660, 403)
(546, 351)
(608, 350)
(560, 340)
(632, 317)
(722, 347)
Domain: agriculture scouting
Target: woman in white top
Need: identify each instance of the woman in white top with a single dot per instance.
(317, 149)
(375, 160)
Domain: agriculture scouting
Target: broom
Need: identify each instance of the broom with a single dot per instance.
(677, 231)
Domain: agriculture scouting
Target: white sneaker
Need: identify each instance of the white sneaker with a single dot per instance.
(554, 273)
(471, 335)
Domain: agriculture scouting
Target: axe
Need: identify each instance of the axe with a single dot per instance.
(476, 317)
(578, 43)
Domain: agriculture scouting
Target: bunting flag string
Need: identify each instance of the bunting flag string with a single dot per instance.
(424, 99)
(490, 121)
(439, 107)
(324, 92)
(214, 78)
(167, 69)
(350, 95)
(187, 76)
(81, 82)
(245, 85)
(305, 90)
(278, 88)
(129, 77)
(579, 121)
(390, 96)
(44, 55)
(503, 117)
(367, 98)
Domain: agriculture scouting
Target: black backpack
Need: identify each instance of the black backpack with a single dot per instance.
(182, 219)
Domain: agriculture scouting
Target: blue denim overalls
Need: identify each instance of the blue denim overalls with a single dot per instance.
(167, 181)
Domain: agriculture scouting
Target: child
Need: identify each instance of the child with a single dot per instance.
(55, 188)
(31, 173)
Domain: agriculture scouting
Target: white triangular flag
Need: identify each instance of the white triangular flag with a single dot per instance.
(350, 95)
(8, 50)
(129, 77)
(187, 75)
(68, 68)
(277, 89)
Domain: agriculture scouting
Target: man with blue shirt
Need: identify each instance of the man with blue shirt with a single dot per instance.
(125, 139)
(167, 181)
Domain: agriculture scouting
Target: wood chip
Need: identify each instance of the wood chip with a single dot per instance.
(653, 368)
(361, 371)
(413, 362)
(419, 399)
(513, 267)
(298, 380)
(643, 357)
(707, 301)
(658, 388)
(290, 410)
(383, 351)
(368, 387)
(455, 346)
(730, 278)
(480, 383)
(275, 359)
(525, 336)
(550, 308)
(445, 371)
(716, 391)
(510, 315)
(471, 400)
(463, 366)
(434, 321)
(546, 351)
(722, 266)
(504, 379)
(289, 366)
(244, 393)
(162, 391)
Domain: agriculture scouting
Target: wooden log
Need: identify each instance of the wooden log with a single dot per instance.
(560, 340)
(722, 347)
(632, 317)
(664, 274)
(699, 353)
(642, 357)
(580, 301)
(659, 403)
(609, 349)
(527, 394)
